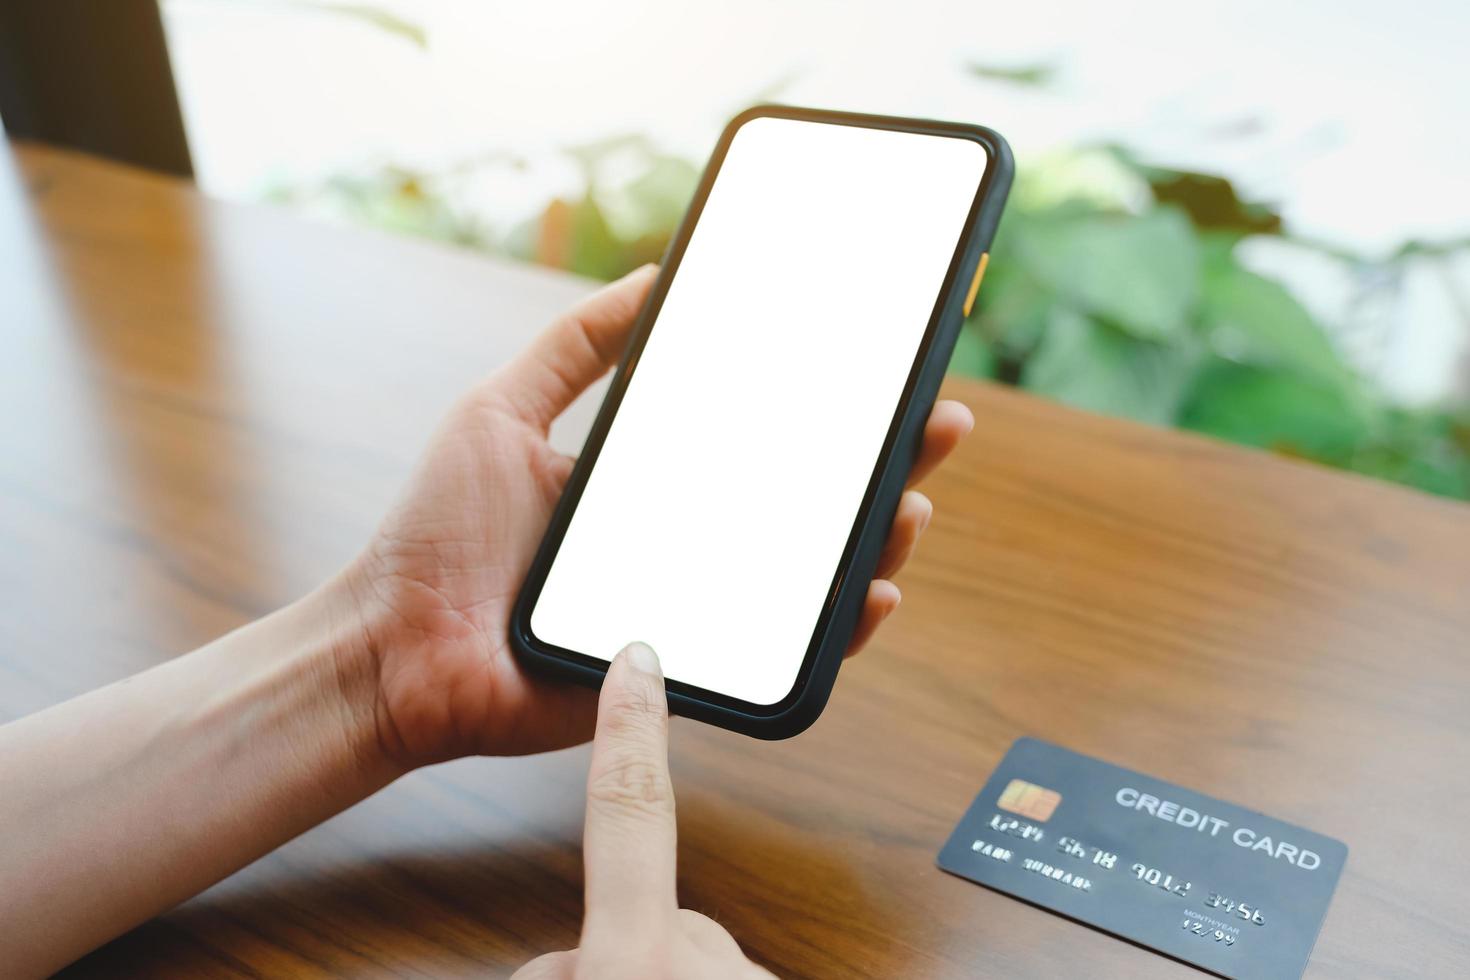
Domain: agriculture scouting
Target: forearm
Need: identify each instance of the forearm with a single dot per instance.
(119, 804)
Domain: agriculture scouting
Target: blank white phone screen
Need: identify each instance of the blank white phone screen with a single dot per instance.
(715, 518)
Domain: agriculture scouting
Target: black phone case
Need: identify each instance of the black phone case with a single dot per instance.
(900, 450)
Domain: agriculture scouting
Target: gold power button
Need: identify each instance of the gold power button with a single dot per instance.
(975, 284)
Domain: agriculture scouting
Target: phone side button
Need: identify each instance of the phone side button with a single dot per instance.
(975, 283)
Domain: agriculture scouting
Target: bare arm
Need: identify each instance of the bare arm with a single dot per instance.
(121, 803)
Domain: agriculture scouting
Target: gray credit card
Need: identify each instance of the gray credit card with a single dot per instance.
(1213, 884)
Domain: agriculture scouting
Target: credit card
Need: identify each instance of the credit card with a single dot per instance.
(1218, 886)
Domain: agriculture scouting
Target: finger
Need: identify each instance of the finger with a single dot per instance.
(883, 597)
(629, 841)
(576, 350)
(949, 422)
(559, 469)
(708, 935)
(909, 521)
(561, 965)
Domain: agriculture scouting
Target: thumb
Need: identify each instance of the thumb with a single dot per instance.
(576, 350)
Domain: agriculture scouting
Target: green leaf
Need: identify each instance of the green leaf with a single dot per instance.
(654, 201)
(595, 250)
(1092, 365)
(972, 356)
(1289, 413)
(1140, 272)
(1424, 448)
(1254, 320)
(372, 15)
(1211, 201)
(1012, 308)
(1030, 76)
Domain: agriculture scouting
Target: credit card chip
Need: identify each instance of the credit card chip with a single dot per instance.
(1029, 800)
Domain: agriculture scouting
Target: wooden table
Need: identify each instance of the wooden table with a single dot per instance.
(204, 407)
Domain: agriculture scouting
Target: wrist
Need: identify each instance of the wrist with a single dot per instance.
(385, 664)
(330, 636)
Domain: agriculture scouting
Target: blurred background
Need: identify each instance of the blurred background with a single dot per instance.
(1247, 219)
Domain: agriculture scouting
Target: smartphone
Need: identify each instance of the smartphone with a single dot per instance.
(736, 489)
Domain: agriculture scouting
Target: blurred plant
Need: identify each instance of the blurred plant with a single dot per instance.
(633, 197)
(369, 14)
(400, 199)
(1117, 288)
(1030, 76)
(1144, 310)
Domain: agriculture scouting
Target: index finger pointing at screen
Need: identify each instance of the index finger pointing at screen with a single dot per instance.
(630, 838)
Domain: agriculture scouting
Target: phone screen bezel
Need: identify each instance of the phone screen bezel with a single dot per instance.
(561, 519)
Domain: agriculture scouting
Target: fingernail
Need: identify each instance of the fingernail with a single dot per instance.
(641, 656)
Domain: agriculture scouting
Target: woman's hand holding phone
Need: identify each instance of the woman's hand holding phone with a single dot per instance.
(432, 593)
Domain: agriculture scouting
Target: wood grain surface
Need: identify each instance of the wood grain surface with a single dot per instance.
(204, 408)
